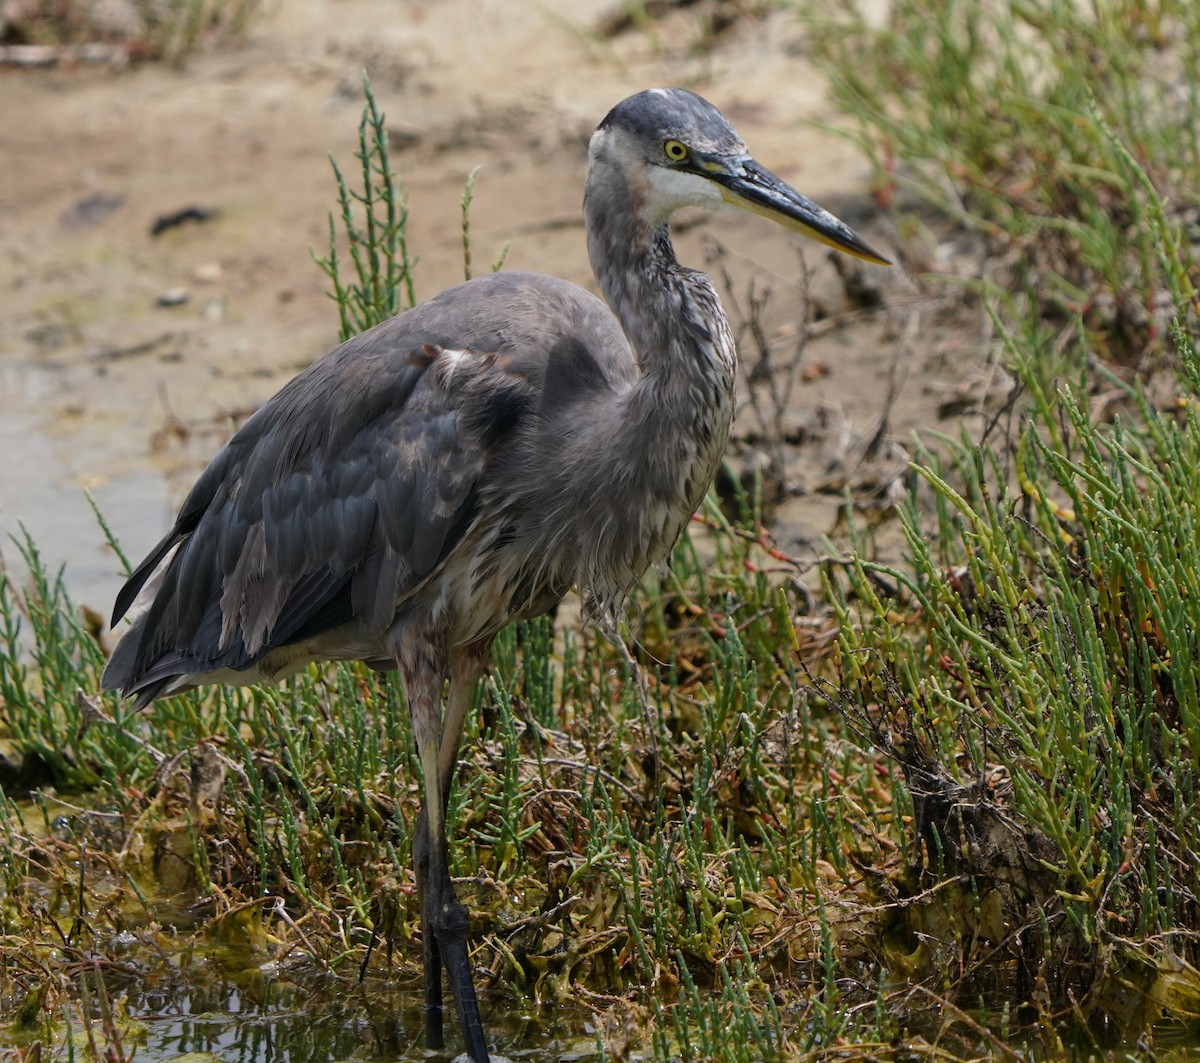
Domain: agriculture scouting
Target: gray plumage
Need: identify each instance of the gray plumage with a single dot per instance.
(465, 464)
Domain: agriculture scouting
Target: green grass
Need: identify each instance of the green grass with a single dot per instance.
(949, 812)
(1030, 667)
(1043, 127)
(1045, 713)
(374, 227)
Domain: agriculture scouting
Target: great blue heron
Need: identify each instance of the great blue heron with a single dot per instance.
(464, 465)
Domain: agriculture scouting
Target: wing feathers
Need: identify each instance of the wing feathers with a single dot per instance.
(341, 497)
(129, 592)
(334, 501)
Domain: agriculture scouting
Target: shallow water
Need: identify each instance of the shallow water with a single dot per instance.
(45, 475)
(268, 1022)
(188, 992)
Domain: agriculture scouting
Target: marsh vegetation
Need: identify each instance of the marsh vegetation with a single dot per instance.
(941, 807)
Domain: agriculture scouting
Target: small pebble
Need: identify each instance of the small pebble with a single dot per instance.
(123, 941)
(207, 272)
(173, 297)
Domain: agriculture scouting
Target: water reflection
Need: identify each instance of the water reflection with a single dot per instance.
(266, 1021)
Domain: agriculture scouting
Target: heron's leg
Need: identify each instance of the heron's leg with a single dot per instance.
(445, 921)
(448, 922)
(431, 955)
(466, 668)
(421, 661)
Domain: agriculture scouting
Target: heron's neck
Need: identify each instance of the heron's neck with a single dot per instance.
(670, 314)
(671, 427)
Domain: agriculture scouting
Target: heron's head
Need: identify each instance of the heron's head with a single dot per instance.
(674, 149)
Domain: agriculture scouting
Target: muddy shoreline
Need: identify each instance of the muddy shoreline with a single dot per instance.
(126, 355)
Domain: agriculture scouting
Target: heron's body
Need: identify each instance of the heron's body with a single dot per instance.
(464, 465)
(388, 486)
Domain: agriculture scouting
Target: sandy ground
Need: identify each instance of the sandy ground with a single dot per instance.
(102, 389)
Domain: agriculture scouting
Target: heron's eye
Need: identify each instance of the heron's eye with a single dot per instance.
(675, 151)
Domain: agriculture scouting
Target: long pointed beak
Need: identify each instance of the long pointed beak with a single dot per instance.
(751, 186)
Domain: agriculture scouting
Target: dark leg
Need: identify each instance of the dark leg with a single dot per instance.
(450, 923)
(444, 921)
(466, 666)
(432, 956)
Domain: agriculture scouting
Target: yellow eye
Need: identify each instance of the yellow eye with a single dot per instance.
(675, 151)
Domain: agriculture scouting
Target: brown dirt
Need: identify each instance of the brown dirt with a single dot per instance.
(100, 388)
